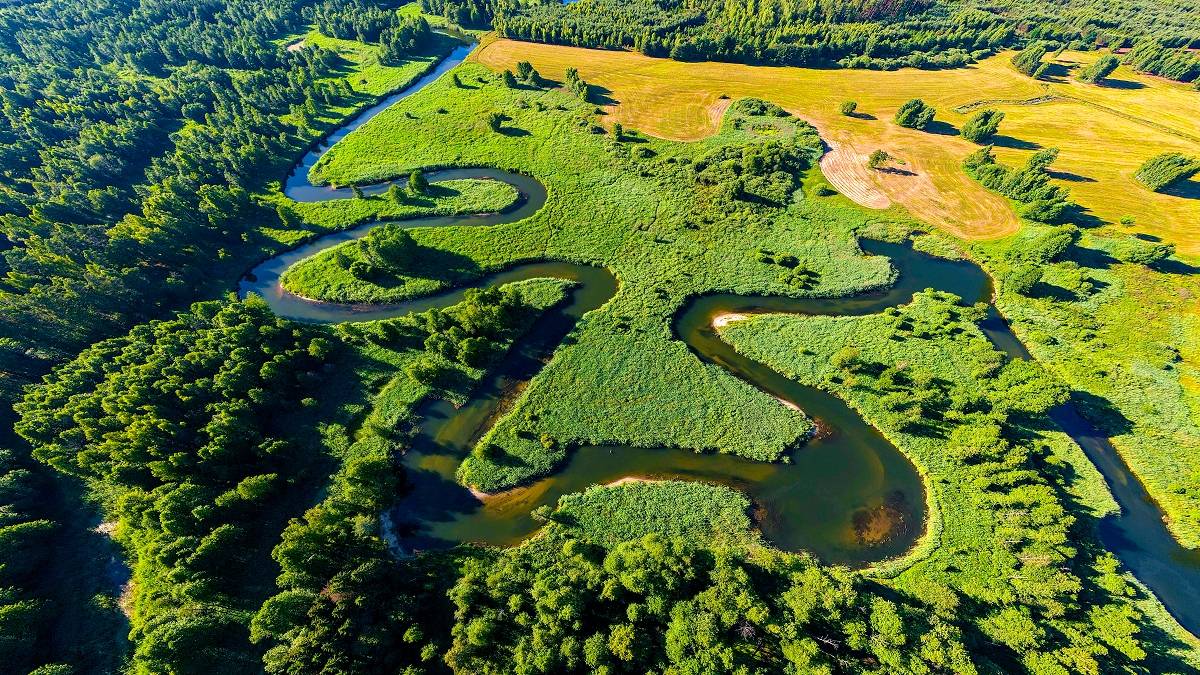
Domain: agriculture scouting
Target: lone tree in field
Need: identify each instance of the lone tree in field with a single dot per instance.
(527, 73)
(494, 120)
(1102, 68)
(618, 131)
(417, 183)
(1029, 60)
(878, 159)
(510, 80)
(396, 194)
(848, 108)
(982, 125)
(915, 114)
(575, 83)
(1163, 171)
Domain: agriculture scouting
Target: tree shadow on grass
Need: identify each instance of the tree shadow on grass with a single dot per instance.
(600, 95)
(941, 128)
(1002, 141)
(862, 116)
(1175, 266)
(1184, 189)
(432, 263)
(1070, 177)
(513, 132)
(1120, 84)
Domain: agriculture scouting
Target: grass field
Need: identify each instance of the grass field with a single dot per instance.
(1100, 148)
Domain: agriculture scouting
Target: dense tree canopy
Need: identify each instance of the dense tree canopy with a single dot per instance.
(178, 421)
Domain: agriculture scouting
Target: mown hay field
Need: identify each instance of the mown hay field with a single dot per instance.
(1104, 132)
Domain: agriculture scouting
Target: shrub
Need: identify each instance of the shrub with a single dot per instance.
(1022, 279)
(417, 183)
(848, 108)
(1102, 68)
(1162, 171)
(982, 125)
(878, 159)
(915, 114)
(1140, 252)
(1029, 60)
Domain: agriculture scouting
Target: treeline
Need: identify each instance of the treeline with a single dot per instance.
(1151, 56)
(399, 36)
(185, 426)
(851, 33)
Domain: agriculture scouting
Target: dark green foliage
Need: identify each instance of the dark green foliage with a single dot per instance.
(575, 84)
(1029, 59)
(418, 184)
(510, 80)
(982, 125)
(1163, 171)
(1030, 185)
(1102, 68)
(528, 74)
(850, 33)
(915, 114)
(110, 213)
(184, 422)
(877, 159)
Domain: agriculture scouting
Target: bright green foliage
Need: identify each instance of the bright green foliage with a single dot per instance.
(608, 515)
(877, 159)
(1010, 536)
(1042, 201)
(575, 84)
(659, 604)
(915, 114)
(1102, 68)
(848, 108)
(1029, 59)
(982, 125)
(1162, 171)
(185, 422)
(1152, 56)
(417, 184)
(1117, 334)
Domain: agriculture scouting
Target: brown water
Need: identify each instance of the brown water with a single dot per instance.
(847, 495)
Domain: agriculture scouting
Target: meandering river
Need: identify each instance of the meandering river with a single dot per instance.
(847, 495)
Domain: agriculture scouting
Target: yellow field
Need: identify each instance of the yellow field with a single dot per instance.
(1100, 146)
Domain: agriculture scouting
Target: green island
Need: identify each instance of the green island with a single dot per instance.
(378, 336)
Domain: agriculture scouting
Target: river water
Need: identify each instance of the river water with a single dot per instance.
(847, 495)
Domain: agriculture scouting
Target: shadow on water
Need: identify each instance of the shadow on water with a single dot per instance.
(833, 497)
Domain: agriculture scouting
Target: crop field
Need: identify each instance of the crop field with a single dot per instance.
(1136, 118)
